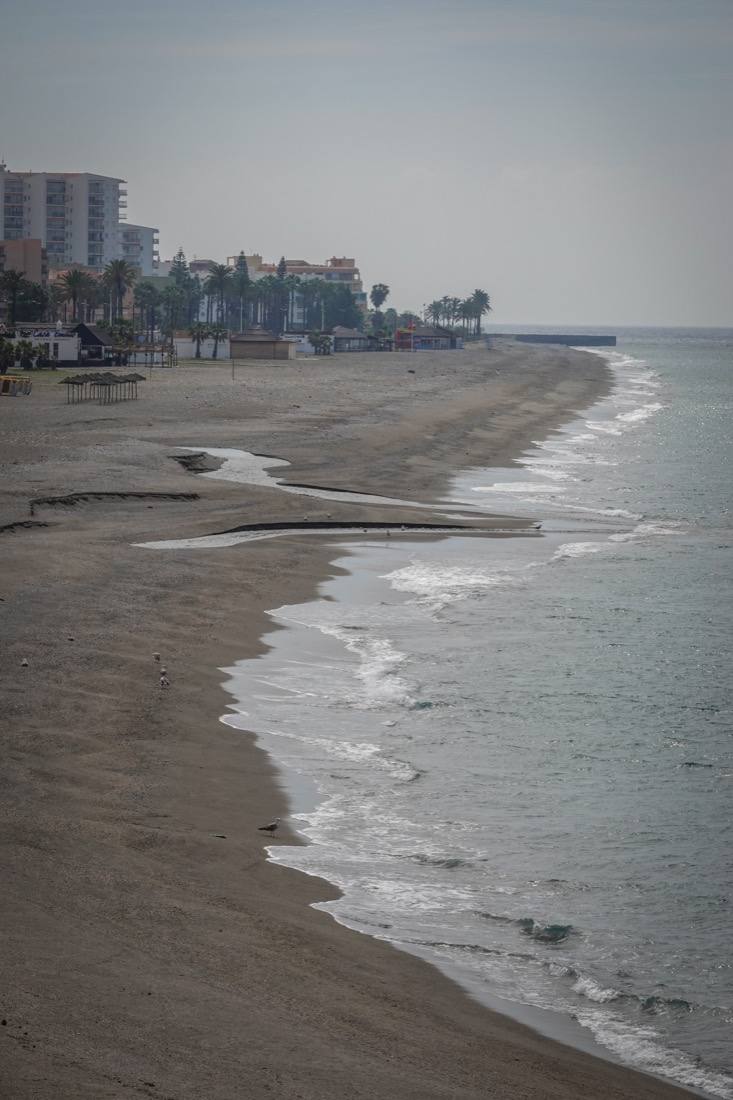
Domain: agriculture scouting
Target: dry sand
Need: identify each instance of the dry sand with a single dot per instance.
(148, 947)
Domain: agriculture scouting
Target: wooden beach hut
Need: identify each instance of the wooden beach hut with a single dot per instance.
(258, 343)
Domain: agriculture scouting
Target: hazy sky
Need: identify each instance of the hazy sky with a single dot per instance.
(572, 157)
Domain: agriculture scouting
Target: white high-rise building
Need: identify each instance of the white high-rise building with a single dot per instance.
(76, 215)
(139, 246)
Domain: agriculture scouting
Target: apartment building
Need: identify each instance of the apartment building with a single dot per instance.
(138, 244)
(339, 269)
(75, 215)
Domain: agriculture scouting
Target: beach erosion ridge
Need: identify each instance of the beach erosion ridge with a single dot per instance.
(150, 948)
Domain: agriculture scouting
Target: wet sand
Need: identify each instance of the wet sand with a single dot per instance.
(149, 948)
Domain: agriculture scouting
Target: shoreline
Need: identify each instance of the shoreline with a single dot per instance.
(151, 945)
(304, 796)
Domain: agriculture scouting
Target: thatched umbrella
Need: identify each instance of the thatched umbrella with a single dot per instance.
(132, 380)
(74, 383)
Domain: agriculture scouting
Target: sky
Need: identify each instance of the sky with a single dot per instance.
(574, 158)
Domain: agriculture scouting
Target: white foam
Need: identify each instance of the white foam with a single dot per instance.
(640, 414)
(379, 661)
(545, 467)
(587, 987)
(578, 549)
(440, 584)
(647, 530)
(610, 513)
(518, 487)
(641, 1046)
(356, 752)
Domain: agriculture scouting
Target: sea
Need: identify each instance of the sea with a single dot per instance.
(513, 755)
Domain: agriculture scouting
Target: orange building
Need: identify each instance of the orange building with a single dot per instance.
(27, 256)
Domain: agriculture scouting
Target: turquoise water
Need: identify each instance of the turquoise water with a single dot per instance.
(522, 747)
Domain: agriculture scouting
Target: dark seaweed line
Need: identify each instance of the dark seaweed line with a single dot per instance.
(70, 499)
(19, 523)
(340, 525)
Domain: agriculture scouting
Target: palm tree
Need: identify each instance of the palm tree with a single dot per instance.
(92, 297)
(24, 353)
(148, 299)
(173, 301)
(74, 283)
(12, 285)
(218, 333)
(379, 294)
(57, 302)
(466, 313)
(217, 285)
(292, 285)
(434, 311)
(120, 276)
(481, 305)
(199, 332)
(322, 291)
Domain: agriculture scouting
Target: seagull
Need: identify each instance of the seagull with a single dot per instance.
(271, 827)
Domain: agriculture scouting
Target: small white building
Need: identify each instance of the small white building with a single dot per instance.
(59, 345)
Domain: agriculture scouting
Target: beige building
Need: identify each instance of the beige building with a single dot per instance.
(339, 269)
(27, 256)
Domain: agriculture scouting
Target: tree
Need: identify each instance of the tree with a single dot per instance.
(173, 301)
(74, 285)
(119, 276)
(322, 292)
(434, 312)
(292, 286)
(25, 353)
(199, 332)
(379, 294)
(481, 305)
(32, 302)
(12, 284)
(240, 285)
(390, 320)
(218, 333)
(179, 268)
(7, 356)
(280, 304)
(341, 307)
(57, 302)
(217, 285)
(148, 300)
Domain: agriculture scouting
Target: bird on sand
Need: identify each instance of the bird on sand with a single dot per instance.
(270, 827)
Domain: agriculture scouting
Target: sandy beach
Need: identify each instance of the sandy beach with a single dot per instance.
(149, 947)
